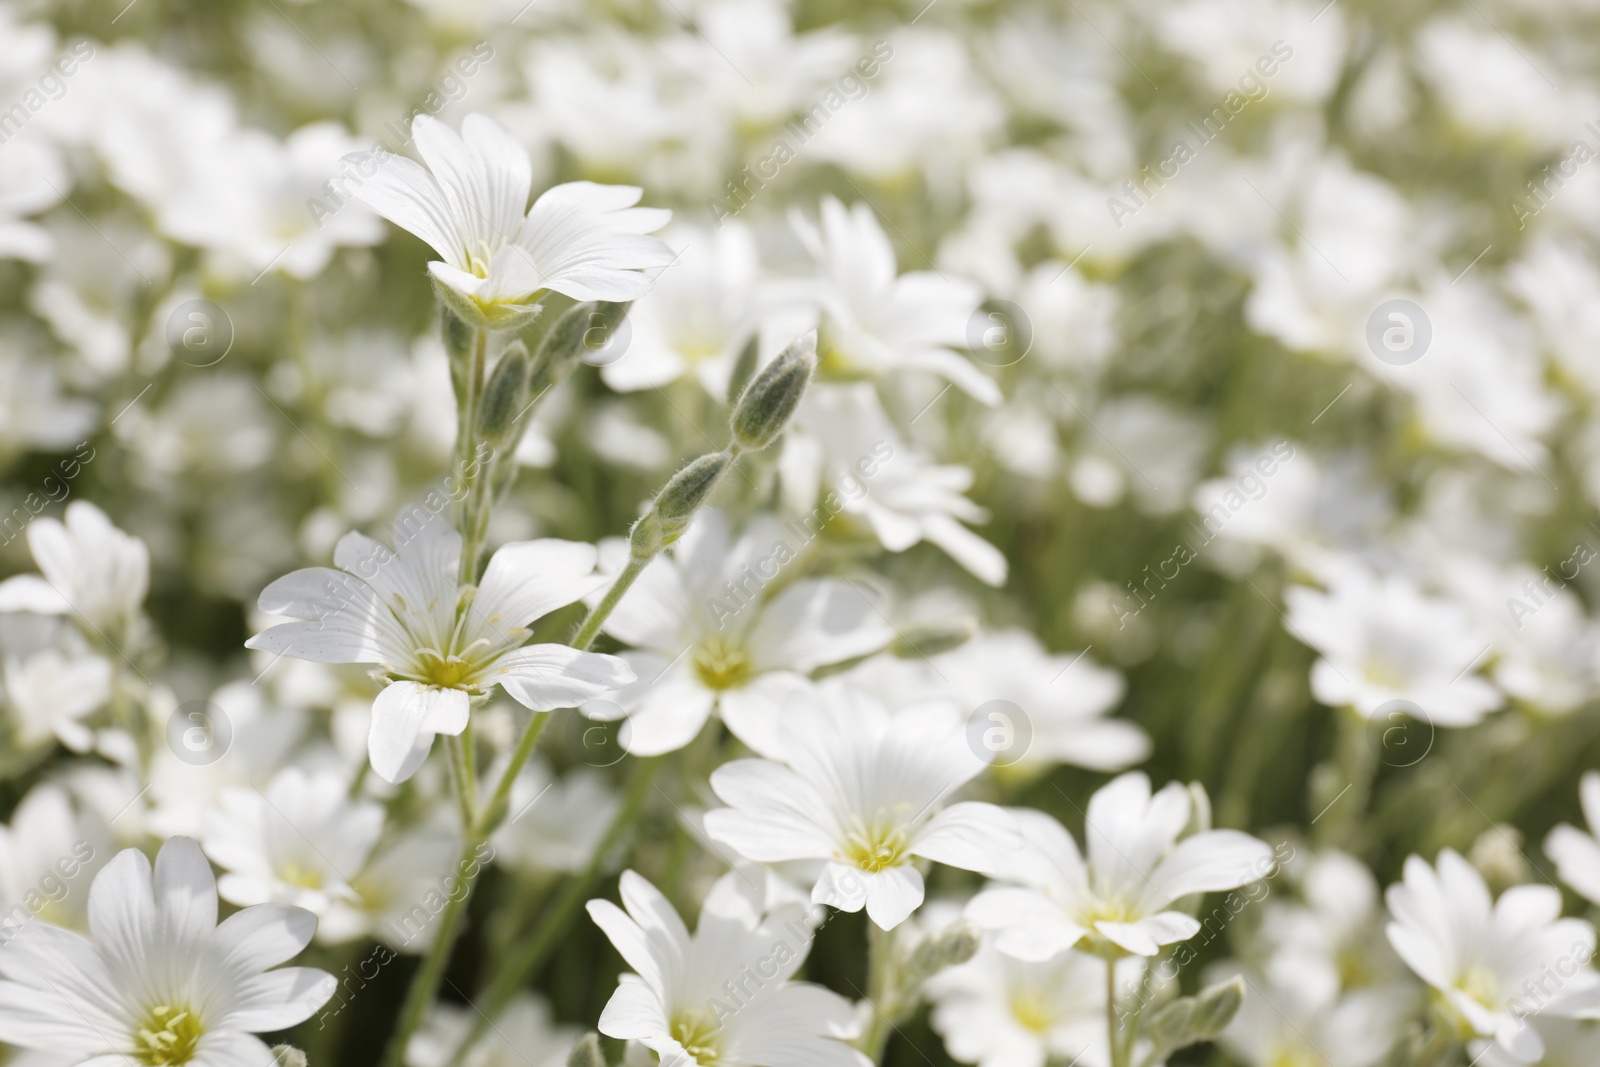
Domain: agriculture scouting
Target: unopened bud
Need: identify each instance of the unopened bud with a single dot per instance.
(458, 335)
(583, 329)
(744, 368)
(948, 948)
(931, 638)
(505, 395)
(587, 1053)
(687, 490)
(768, 402)
(1190, 1020)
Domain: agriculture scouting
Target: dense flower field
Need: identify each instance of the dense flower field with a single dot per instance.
(788, 533)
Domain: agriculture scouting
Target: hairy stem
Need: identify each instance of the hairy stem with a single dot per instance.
(602, 611)
(880, 991)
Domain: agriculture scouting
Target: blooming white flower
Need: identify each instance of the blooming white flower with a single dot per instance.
(523, 1035)
(720, 997)
(470, 203)
(1576, 852)
(91, 570)
(1063, 699)
(879, 321)
(439, 644)
(706, 637)
(1492, 960)
(863, 789)
(1279, 1026)
(843, 456)
(999, 1011)
(1383, 640)
(159, 980)
(293, 843)
(1122, 898)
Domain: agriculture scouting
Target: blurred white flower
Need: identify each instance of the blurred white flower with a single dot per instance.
(50, 693)
(92, 571)
(865, 790)
(877, 320)
(159, 980)
(555, 824)
(439, 644)
(470, 204)
(291, 844)
(48, 855)
(997, 1011)
(1383, 640)
(694, 998)
(1121, 899)
(1577, 852)
(1492, 961)
(523, 1035)
(707, 636)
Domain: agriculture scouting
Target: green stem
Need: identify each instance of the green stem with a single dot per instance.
(1119, 1057)
(472, 519)
(425, 984)
(602, 611)
(880, 991)
(527, 958)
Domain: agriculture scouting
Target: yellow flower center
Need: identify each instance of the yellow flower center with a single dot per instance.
(876, 847)
(722, 664)
(1479, 983)
(1030, 1009)
(169, 1036)
(297, 874)
(697, 1032)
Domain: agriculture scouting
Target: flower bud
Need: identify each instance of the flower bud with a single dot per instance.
(948, 948)
(1190, 1020)
(744, 368)
(584, 328)
(768, 402)
(505, 395)
(586, 1053)
(288, 1056)
(674, 506)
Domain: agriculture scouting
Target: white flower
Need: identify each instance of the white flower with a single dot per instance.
(1063, 701)
(698, 316)
(555, 824)
(471, 205)
(1494, 963)
(91, 570)
(35, 414)
(864, 790)
(1280, 1026)
(50, 693)
(707, 637)
(439, 644)
(876, 321)
(47, 854)
(523, 1035)
(998, 1011)
(159, 981)
(1383, 640)
(1137, 868)
(722, 996)
(1577, 853)
(844, 456)
(293, 844)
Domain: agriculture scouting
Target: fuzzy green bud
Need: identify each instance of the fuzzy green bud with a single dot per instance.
(744, 368)
(768, 402)
(505, 395)
(1190, 1020)
(931, 638)
(458, 335)
(583, 329)
(675, 505)
(948, 948)
(587, 1053)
